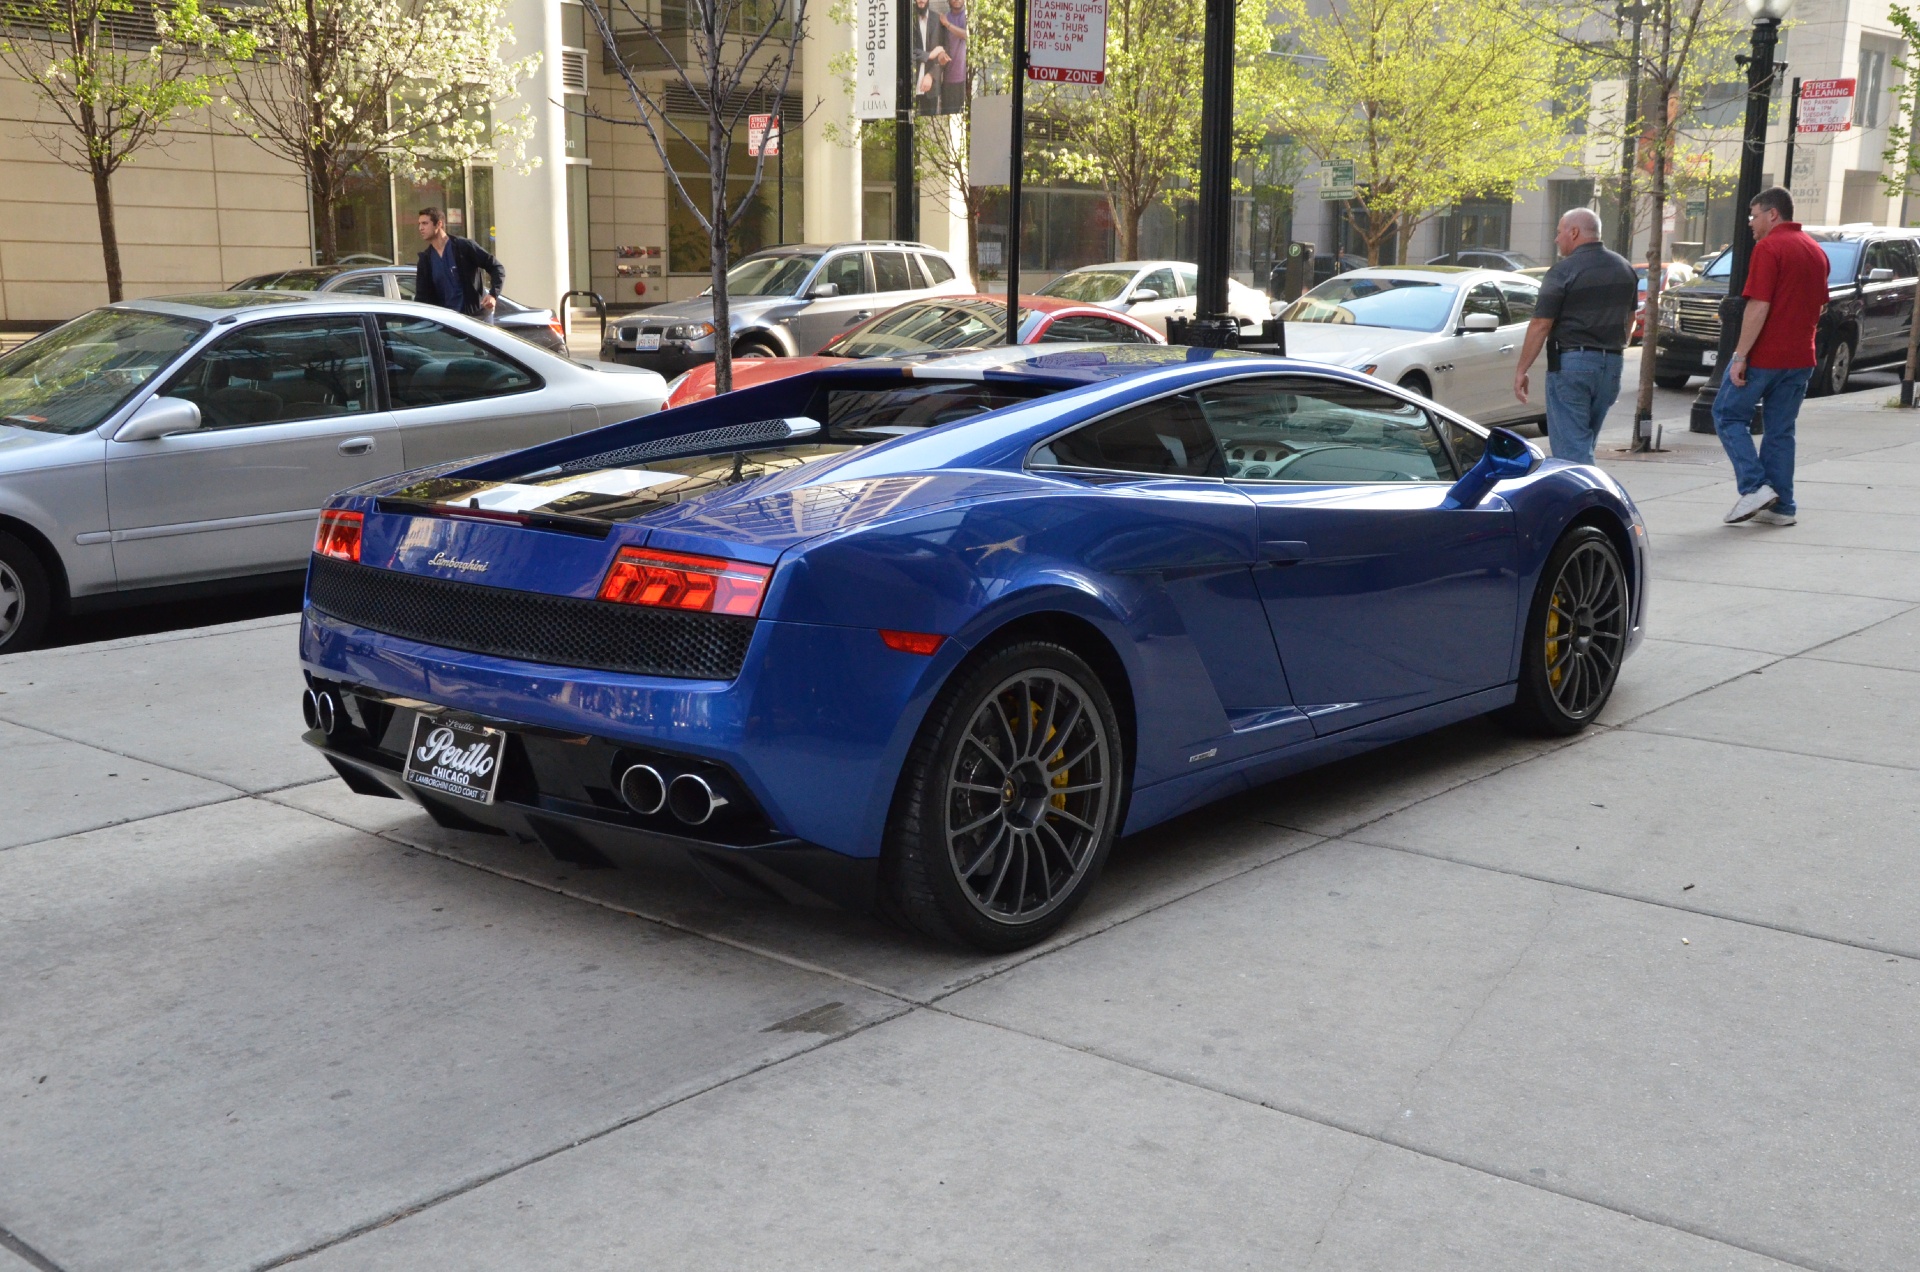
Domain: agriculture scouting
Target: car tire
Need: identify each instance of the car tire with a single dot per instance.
(1835, 370)
(1678, 381)
(1414, 382)
(980, 802)
(26, 598)
(755, 349)
(1566, 676)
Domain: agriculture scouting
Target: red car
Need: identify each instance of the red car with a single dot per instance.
(938, 323)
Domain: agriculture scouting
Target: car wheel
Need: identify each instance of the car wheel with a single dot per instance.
(1672, 381)
(1009, 800)
(26, 601)
(1834, 371)
(1575, 638)
(1414, 382)
(755, 349)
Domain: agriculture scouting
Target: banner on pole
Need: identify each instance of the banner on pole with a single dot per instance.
(876, 72)
(1826, 106)
(1067, 41)
(989, 161)
(763, 135)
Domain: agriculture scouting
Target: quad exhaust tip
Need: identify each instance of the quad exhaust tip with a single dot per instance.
(320, 711)
(644, 790)
(692, 800)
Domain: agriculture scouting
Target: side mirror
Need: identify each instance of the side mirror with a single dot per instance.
(1507, 455)
(160, 417)
(823, 291)
(1478, 322)
(1879, 275)
(1143, 295)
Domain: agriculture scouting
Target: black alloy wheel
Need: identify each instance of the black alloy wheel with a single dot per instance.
(26, 600)
(1576, 636)
(1835, 370)
(1009, 801)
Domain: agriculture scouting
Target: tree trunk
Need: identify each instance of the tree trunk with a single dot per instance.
(1656, 247)
(325, 217)
(1130, 215)
(717, 218)
(109, 235)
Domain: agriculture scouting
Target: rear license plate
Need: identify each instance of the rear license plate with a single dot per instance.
(1709, 357)
(452, 757)
(646, 343)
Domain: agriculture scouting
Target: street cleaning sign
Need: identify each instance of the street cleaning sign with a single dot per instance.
(1336, 180)
(1067, 41)
(876, 73)
(763, 135)
(1826, 106)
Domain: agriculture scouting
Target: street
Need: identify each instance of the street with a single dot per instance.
(1645, 998)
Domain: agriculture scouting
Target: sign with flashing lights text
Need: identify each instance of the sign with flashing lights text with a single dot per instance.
(1067, 41)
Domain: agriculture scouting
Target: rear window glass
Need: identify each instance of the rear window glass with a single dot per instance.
(872, 414)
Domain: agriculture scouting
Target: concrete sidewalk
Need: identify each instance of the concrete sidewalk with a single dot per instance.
(1645, 999)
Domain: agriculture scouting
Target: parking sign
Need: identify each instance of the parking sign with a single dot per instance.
(1067, 41)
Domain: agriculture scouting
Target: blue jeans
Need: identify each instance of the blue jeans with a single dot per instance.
(1579, 395)
(1778, 394)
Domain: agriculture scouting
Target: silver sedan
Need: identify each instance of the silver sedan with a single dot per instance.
(164, 448)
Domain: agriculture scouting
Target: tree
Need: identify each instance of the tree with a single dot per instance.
(737, 55)
(1900, 165)
(114, 92)
(343, 84)
(1434, 101)
(1137, 135)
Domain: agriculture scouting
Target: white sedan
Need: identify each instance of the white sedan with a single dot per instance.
(1451, 334)
(1154, 291)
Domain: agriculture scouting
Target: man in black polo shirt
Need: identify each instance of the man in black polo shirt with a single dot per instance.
(1586, 305)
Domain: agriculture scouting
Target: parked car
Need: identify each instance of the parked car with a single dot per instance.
(396, 282)
(1487, 258)
(786, 302)
(1674, 274)
(166, 447)
(1154, 291)
(1869, 311)
(927, 326)
(926, 635)
(1448, 333)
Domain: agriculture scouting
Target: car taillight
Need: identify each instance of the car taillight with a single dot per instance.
(339, 534)
(679, 580)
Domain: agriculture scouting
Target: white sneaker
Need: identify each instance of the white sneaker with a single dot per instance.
(1768, 517)
(1749, 504)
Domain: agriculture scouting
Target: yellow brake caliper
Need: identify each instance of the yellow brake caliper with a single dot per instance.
(1061, 778)
(1554, 673)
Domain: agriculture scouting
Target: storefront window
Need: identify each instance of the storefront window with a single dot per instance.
(363, 219)
(688, 251)
(445, 190)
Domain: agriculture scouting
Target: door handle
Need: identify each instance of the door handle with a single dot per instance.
(862, 316)
(1283, 551)
(356, 446)
(1506, 348)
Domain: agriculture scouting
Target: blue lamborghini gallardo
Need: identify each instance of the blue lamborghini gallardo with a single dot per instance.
(923, 636)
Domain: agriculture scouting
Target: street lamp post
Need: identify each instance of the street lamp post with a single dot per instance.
(1623, 227)
(1212, 324)
(1767, 16)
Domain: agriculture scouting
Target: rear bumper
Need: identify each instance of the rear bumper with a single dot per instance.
(776, 867)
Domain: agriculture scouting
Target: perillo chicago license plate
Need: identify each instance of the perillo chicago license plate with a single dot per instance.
(453, 757)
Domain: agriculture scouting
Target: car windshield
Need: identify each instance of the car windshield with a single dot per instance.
(1843, 258)
(930, 325)
(770, 275)
(73, 377)
(1090, 286)
(286, 280)
(1408, 304)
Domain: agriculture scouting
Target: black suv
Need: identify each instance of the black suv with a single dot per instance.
(1870, 282)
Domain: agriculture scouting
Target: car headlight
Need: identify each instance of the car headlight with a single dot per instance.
(689, 331)
(1669, 304)
(1367, 368)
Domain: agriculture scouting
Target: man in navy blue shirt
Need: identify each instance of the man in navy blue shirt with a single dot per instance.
(449, 269)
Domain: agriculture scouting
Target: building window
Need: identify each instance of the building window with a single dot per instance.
(1870, 93)
(688, 251)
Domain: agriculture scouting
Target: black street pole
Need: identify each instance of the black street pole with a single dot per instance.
(1793, 130)
(1213, 326)
(905, 205)
(1016, 163)
(1753, 153)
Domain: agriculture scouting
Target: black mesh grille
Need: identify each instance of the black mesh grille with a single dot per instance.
(561, 630)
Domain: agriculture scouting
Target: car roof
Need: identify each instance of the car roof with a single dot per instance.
(212, 306)
(1451, 272)
(814, 249)
(1048, 363)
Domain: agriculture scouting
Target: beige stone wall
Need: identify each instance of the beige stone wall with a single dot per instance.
(626, 198)
(208, 209)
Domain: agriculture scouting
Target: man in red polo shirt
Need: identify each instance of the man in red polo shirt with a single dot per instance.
(1786, 290)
